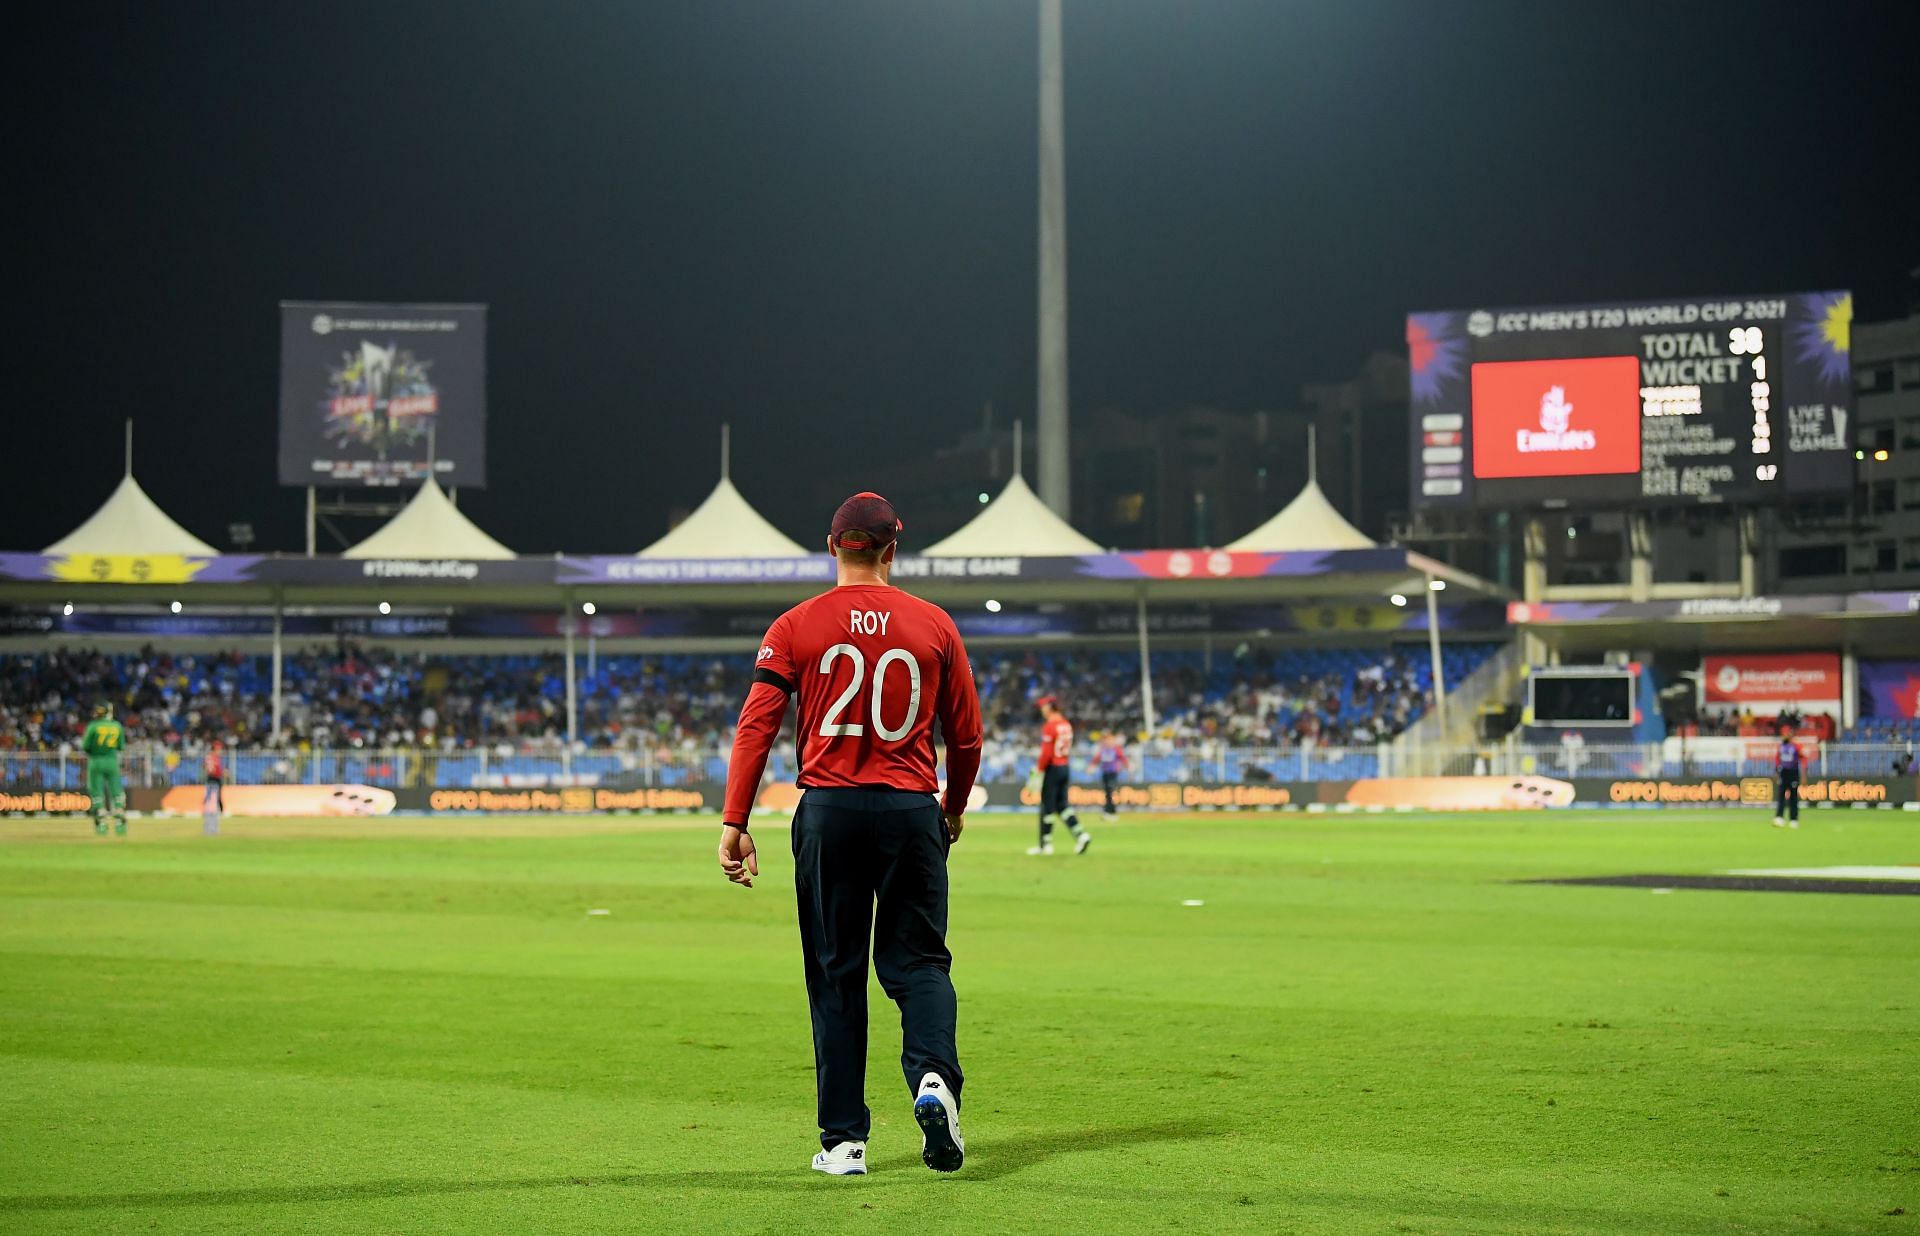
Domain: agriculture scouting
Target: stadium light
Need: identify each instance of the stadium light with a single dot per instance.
(993, 607)
(175, 607)
(1398, 598)
(1880, 456)
(586, 607)
(984, 499)
(1859, 454)
(1438, 585)
(385, 608)
(67, 609)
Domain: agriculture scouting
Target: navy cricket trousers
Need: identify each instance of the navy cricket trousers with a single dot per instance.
(871, 865)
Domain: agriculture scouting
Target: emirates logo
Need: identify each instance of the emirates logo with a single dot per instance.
(1555, 411)
(1555, 432)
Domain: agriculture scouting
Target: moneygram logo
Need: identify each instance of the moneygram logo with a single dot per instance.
(1772, 677)
(1555, 432)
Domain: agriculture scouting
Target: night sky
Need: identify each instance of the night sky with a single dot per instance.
(816, 220)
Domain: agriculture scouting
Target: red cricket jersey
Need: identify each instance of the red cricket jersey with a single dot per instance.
(215, 770)
(1056, 741)
(874, 668)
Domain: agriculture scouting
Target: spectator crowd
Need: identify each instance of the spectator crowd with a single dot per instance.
(350, 696)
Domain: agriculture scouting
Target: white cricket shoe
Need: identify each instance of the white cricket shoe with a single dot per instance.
(1036, 851)
(1778, 822)
(1086, 839)
(846, 1159)
(1793, 823)
(937, 1113)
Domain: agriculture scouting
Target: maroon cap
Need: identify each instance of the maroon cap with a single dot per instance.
(867, 513)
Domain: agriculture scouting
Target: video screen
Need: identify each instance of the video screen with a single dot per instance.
(1563, 417)
(1649, 402)
(1582, 699)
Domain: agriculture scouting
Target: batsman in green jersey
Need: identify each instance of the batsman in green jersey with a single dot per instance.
(104, 740)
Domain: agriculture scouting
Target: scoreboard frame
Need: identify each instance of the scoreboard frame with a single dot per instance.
(1743, 400)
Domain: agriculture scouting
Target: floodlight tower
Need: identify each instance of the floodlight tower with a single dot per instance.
(1055, 473)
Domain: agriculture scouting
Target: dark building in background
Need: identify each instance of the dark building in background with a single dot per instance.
(1194, 477)
(1361, 427)
(939, 493)
(1203, 476)
(1199, 476)
(1872, 538)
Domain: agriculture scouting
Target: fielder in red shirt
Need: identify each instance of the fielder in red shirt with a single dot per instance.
(1052, 773)
(873, 668)
(214, 800)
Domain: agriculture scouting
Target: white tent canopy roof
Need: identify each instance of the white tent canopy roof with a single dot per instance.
(724, 526)
(430, 526)
(1016, 523)
(129, 522)
(1307, 522)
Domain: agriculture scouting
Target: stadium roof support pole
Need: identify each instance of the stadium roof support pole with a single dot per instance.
(1749, 525)
(312, 516)
(573, 702)
(1146, 668)
(279, 595)
(1055, 474)
(1433, 651)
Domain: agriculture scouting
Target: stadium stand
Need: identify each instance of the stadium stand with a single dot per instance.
(511, 707)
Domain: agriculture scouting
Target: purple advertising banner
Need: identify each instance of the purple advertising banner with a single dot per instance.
(130, 568)
(1168, 564)
(1890, 689)
(627, 569)
(749, 624)
(1884, 603)
(1708, 609)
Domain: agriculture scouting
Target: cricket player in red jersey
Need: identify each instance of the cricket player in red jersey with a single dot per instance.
(214, 800)
(873, 669)
(1053, 771)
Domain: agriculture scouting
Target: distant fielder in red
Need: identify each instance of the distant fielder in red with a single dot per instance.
(1052, 773)
(873, 668)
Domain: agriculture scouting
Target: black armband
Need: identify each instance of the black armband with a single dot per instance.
(773, 679)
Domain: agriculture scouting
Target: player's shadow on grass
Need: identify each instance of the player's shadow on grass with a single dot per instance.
(990, 1158)
(371, 1190)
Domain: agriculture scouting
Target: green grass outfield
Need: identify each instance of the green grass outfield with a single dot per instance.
(414, 1025)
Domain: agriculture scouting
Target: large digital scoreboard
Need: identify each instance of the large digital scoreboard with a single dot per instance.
(1736, 399)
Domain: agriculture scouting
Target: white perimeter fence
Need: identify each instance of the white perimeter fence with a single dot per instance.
(1198, 763)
